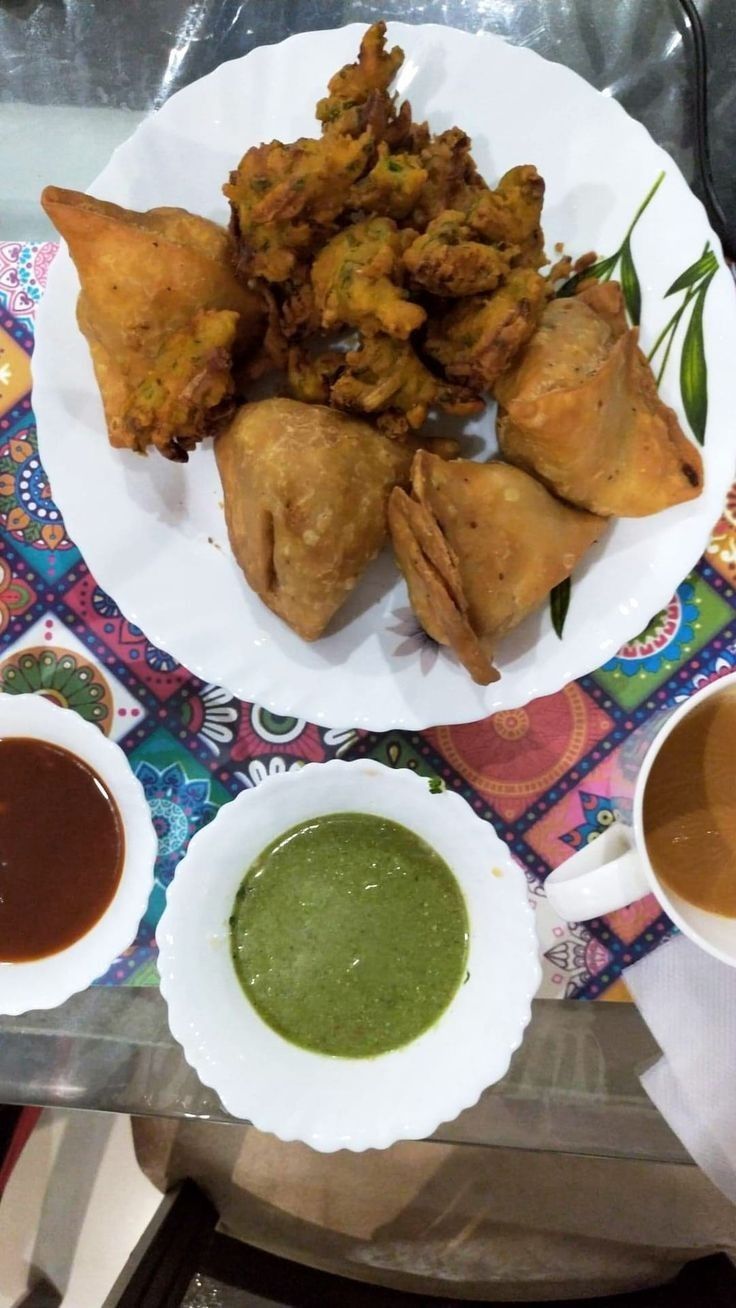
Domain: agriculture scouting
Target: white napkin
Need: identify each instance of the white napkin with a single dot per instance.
(688, 1001)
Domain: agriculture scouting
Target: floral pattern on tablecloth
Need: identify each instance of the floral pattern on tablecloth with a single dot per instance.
(550, 777)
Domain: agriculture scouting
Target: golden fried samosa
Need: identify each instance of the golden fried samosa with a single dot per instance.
(306, 490)
(580, 410)
(481, 546)
(148, 284)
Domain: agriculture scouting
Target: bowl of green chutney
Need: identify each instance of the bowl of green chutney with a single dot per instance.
(348, 955)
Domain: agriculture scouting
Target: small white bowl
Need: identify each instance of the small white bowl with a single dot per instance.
(48, 982)
(342, 1103)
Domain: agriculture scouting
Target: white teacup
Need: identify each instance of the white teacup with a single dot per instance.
(615, 869)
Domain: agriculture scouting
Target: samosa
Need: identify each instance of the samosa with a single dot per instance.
(306, 490)
(580, 410)
(164, 315)
(481, 546)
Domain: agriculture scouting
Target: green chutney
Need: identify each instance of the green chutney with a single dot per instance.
(349, 935)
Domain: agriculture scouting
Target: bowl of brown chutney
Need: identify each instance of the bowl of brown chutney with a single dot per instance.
(77, 851)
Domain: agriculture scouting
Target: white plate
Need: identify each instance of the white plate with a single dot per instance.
(347, 1103)
(153, 532)
(48, 982)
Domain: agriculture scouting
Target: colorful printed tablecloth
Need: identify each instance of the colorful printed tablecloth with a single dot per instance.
(549, 777)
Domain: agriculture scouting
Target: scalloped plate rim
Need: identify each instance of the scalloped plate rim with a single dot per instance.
(312, 699)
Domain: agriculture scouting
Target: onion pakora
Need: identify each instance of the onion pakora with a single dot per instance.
(358, 94)
(284, 199)
(356, 280)
(383, 228)
(512, 214)
(189, 390)
(392, 187)
(310, 376)
(477, 339)
(387, 379)
(453, 181)
(446, 260)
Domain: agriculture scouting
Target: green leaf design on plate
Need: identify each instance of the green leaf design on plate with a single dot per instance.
(559, 603)
(693, 285)
(694, 369)
(707, 263)
(646, 202)
(630, 283)
(600, 272)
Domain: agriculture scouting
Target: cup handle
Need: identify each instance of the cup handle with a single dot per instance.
(604, 876)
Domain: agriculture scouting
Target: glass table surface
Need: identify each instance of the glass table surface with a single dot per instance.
(77, 77)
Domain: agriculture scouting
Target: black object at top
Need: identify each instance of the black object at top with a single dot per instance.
(718, 219)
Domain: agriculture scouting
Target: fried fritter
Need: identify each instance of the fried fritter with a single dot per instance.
(448, 261)
(299, 315)
(356, 280)
(386, 123)
(284, 199)
(360, 229)
(310, 376)
(416, 138)
(452, 177)
(188, 392)
(274, 347)
(512, 213)
(358, 94)
(477, 339)
(386, 378)
(392, 187)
